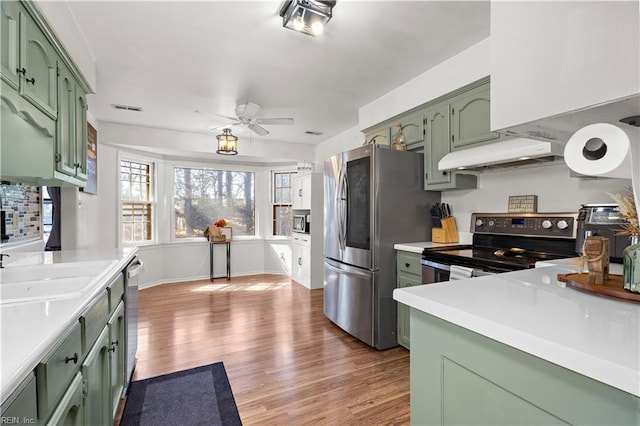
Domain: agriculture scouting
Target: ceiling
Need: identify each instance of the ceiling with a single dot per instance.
(173, 58)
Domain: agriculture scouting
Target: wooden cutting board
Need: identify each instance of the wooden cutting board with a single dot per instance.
(611, 287)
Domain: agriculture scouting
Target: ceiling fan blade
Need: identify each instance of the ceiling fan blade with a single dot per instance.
(274, 121)
(258, 129)
(217, 115)
(247, 110)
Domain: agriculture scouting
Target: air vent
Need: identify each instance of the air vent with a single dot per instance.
(309, 132)
(127, 107)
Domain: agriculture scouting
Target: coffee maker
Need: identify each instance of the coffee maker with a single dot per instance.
(602, 220)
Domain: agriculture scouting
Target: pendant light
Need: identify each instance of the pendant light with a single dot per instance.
(227, 143)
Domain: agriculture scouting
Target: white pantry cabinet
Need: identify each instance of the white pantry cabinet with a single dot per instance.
(302, 192)
(551, 58)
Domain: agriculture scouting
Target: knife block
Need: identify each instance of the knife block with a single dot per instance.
(448, 233)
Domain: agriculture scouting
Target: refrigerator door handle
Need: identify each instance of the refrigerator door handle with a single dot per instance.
(350, 271)
(340, 202)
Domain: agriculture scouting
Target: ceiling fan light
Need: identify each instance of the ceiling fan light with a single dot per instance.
(306, 16)
(227, 143)
(317, 28)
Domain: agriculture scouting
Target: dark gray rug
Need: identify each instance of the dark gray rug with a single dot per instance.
(198, 396)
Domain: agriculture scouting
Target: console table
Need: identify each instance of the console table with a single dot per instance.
(212, 244)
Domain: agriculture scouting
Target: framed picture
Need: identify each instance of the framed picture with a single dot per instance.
(227, 231)
(92, 161)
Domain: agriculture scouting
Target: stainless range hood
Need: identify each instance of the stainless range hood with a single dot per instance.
(506, 153)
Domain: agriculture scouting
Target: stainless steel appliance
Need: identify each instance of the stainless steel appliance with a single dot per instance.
(302, 223)
(503, 242)
(131, 277)
(373, 199)
(603, 220)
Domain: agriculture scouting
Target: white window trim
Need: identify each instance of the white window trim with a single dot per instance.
(123, 156)
(272, 172)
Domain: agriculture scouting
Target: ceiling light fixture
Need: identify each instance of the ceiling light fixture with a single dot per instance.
(306, 16)
(227, 143)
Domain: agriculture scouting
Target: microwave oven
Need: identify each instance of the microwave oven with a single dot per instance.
(302, 223)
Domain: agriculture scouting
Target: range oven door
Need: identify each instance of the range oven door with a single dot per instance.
(434, 272)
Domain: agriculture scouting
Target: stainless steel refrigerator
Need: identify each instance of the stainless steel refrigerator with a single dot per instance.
(374, 198)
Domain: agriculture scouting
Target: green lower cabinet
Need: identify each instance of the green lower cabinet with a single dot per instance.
(408, 273)
(97, 378)
(69, 411)
(460, 377)
(117, 356)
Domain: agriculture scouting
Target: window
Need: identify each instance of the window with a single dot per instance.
(202, 196)
(137, 205)
(282, 197)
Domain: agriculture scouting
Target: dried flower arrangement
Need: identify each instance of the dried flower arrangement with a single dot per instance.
(628, 212)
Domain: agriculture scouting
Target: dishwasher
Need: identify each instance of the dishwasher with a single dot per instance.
(131, 276)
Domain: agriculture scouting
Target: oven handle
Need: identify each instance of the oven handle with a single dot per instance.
(477, 272)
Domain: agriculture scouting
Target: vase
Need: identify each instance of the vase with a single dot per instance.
(399, 141)
(631, 266)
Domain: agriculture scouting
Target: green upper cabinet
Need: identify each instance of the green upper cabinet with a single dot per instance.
(65, 135)
(9, 42)
(412, 127)
(437, 144)
(470, 118)
(380, 135)
(38, 68)
(81, 108)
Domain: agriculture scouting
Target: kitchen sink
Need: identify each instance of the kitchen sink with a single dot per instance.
(31, 291)
(54, 271)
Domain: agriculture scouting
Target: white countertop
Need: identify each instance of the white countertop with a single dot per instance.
(417, 247)
(29, 329)
(532, 311)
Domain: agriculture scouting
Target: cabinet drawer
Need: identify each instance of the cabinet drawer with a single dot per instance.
(55, 372)
(116, 290)
(409, 263)
(22, 403)
(93, 321)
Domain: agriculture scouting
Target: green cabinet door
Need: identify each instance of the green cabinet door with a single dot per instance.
(69, 411)
(412, 127)
(379, 135)
(116, 356)
(65, 126)
(10, 42)
(39, 61)
(96, 373)
(436, 144)
(80, 134)
(21, 404)
(470, 118)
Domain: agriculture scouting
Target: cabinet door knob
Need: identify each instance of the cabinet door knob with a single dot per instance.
(74, 358)
(31, 80)
(299, 192)
(300, 261)
(406, 265)
(444, 173)
(21, 71)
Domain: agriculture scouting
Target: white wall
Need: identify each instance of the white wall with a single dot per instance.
(556, 191)
(466, 67)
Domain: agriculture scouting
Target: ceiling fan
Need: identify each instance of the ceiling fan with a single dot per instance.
(246, 115)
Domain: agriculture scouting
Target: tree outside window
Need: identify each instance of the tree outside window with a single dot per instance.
(202, 196)
(137, 202)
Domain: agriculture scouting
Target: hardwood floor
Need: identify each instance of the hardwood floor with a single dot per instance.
(287, 363)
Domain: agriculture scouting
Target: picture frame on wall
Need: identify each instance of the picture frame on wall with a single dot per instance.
(92, 161)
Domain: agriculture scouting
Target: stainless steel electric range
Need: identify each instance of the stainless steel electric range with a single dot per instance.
(503, 242)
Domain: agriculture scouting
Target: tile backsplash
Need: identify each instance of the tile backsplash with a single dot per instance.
(23, 209)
